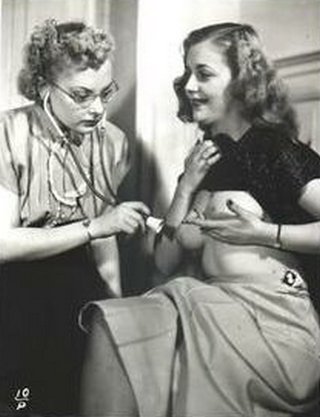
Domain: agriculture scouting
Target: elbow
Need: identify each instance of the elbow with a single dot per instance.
(9, 253)
(3, 257)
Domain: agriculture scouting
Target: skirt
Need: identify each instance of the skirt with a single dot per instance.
(227, 347)
(41, 344)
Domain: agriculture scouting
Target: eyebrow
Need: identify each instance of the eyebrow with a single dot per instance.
(88, 90)
(80, 87)
(201, 66)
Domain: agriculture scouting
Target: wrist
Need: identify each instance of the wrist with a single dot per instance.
(86, 223)
(92, 229)
(271, 235)
(278, 241)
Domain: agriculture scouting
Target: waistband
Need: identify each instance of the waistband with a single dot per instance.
(289, 277)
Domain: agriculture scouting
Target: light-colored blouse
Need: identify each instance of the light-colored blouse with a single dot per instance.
(36, 165)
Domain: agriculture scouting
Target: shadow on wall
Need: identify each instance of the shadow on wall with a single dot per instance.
(142, 183)
(143, 180)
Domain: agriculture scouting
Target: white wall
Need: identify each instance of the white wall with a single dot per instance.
(290, 31)
(287, 27)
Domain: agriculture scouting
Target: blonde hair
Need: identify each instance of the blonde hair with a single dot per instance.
(54, 47)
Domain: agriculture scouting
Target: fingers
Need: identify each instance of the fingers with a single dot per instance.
(240, 211)
(203, 223)
(208, 154)
(194, 214)
(208, 149)
(203, 151)
(131, 224)
(213, 158)
(133, 216)
(138, 206)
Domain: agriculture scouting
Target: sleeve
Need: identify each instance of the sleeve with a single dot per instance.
(295, 165)
(8, 170)
(116, 149)
(123, 163)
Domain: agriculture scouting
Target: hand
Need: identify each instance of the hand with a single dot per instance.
(126, 218)
(241, 228)
(202, 156)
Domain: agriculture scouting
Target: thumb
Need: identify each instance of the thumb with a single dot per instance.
(240, 211)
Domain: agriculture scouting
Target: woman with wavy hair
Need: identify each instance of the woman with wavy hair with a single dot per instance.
(61, 163)
(240, 337)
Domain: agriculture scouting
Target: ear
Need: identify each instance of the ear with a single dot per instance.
(44, 92)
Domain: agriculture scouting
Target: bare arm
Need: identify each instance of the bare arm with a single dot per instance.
(168, 252)
(190, 236)
(21, 243)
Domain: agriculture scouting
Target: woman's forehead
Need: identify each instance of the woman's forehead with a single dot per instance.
(206, 53)
(91, 78)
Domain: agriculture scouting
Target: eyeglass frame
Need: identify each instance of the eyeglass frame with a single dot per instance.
(91, 97)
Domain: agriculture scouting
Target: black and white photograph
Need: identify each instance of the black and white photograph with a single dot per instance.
(160, 208)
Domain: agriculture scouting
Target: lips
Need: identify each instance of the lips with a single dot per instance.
(91, 123)
(197, 102)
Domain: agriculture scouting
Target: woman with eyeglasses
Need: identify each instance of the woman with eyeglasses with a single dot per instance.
(240, 337)
(61, 163)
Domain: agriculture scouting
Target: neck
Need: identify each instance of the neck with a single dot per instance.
(234, 125)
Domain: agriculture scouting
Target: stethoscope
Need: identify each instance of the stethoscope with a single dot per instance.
(66, 142)
(153, 223)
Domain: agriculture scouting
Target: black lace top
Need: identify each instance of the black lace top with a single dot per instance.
(273, 168)
(269, 165)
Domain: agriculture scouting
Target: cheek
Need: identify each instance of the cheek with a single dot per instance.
(64, 112)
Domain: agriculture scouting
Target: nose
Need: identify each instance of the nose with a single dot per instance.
(192, 84)
(97, 106)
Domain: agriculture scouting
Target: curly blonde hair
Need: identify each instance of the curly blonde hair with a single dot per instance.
(53, 47)
(255, 82)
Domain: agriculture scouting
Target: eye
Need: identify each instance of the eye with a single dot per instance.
(204, 75)
(106, 94)
(81, 96)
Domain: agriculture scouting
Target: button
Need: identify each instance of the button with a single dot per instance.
(289, 278)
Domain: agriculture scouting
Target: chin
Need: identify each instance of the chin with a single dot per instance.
(203, 123)
(202, 119)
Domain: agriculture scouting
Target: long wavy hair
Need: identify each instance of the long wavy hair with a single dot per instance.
(254, 83)
(54, 47)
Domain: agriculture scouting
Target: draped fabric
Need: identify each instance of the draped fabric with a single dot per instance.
(231, 346)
